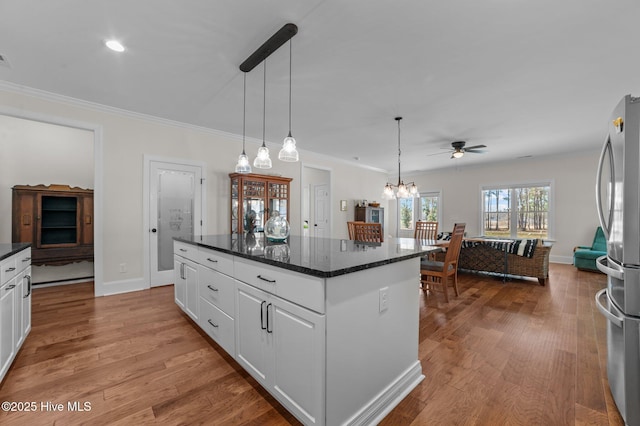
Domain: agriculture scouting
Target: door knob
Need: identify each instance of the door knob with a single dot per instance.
(154, 230)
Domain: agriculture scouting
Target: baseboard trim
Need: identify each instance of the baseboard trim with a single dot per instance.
(123, 286)
(389, 398)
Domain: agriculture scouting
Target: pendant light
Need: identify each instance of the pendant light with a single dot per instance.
(400, 190)
(262, 160)
(243, 165)
(288, 151)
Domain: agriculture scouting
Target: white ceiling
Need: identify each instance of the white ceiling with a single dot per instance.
(524, 77)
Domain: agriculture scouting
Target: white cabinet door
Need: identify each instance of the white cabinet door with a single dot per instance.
(179, 281)
(252, 339)
(191, 289)
(299, 370)
(7, 315)
(282, 346)
(18, 331)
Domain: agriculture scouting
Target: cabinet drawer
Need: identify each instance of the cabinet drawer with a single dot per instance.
(23, 259)
(8, 269)
(217, 289)
(219, 261)
(186, 250)
(218, 325)
(298, 288)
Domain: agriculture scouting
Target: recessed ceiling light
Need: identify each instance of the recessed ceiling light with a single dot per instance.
(114, 45)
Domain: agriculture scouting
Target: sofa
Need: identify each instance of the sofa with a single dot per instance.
(584, 257)
(500, 258)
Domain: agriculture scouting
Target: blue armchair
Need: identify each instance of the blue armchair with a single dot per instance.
(584, 257)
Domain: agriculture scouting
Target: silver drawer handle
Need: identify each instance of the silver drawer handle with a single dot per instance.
(183, 250)
(10, 269)
(212, 288)
(26, 259)
(10, 287)
(212, 324)
(212, 260)
(266, 279)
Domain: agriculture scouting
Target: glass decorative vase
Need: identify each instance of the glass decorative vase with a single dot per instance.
(277, 228)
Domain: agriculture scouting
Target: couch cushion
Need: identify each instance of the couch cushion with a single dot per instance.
(588, 254)
(599, 242)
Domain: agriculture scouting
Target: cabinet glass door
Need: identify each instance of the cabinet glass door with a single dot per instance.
(375, 216)
(253, 205)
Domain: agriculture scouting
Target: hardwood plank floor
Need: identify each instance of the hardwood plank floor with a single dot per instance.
(515, 353)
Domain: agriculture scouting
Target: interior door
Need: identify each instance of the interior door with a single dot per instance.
(175, 210)
(321, 216)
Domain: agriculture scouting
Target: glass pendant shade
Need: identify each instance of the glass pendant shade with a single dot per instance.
(243, 165)
(262, 160)
(388, 193)
(288, 151)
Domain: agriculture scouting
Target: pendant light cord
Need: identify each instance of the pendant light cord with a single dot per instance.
(398, 120)
(264, 101)
(290, 60)
(244, 110)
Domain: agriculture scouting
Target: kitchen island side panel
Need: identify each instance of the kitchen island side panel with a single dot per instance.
(372, 354)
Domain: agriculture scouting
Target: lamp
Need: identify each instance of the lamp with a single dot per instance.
(243, 165)
(288, 151)
(262, 160)
(457, 153)
(400, 190)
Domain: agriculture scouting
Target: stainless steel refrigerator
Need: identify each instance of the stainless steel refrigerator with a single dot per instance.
(617, 197)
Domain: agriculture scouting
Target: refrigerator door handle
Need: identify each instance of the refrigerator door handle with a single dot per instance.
(603, 265)
(606, 224)
(617, 321)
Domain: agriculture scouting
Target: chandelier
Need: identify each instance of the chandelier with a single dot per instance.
(400, 190)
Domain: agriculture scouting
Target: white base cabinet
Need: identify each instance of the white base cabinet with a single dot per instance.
(15, 306)
(325, 348)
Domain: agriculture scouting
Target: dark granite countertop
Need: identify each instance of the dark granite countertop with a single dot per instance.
(9, 249)
(319, 257)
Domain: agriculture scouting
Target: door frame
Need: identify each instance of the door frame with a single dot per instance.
(304, 184)
(146, 185)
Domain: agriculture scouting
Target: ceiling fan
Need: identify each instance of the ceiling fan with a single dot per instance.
(458, 149)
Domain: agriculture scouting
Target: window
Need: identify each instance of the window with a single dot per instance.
(425, 207)
(516, 211)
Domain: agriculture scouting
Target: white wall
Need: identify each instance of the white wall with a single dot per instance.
(126, 138)
(573, 178)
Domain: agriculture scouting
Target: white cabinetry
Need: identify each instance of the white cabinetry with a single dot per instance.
(15, 306)
(282, 346)
(186, 278)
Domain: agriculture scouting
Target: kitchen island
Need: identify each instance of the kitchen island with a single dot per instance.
(329, 327)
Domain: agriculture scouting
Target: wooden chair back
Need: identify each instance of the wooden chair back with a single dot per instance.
(434, 271)
(426, 230)
(351, 227)
(368, 232)
(453, 250)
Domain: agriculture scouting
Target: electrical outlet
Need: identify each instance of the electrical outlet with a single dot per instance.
(123, 268)
(384, 299)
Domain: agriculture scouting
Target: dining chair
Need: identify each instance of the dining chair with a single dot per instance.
(368, 232)
(351, 227)
(426, 230)
(432, 271)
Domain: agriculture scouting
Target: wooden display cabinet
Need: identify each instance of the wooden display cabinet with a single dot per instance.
(370, 214)
(254, 197)
(57, 220)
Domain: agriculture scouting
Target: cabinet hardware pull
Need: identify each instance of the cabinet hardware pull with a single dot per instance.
(183, 250)
(266, 279)
(269, 330)
(262, 315)
(26, 259)
(212, 260)
(182, 271)
(13, 285)
(212, 324)
(212, 288)
(10, 269)
(28, 277)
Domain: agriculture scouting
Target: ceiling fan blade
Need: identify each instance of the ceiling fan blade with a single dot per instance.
(475, 147)
(439, 153)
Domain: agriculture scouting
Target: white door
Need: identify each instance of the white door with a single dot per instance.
(175, 210)
(321, 216)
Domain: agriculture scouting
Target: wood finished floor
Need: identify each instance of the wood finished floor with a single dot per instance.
(514, 353)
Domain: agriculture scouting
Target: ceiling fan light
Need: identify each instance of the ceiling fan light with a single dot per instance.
(457, 154)
(288, 151)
